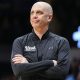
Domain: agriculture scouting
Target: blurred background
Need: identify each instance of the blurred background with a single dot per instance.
(14, 22)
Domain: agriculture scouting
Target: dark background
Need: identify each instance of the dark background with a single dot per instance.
(14, 22)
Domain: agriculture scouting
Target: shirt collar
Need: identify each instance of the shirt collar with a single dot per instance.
(46, 34)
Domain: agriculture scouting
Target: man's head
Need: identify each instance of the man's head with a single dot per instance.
(41, 14)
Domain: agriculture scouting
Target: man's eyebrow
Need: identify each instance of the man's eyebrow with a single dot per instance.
(39, 11)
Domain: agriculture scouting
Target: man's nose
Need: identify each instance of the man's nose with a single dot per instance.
(35, 16)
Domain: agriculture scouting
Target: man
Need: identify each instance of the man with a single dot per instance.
(40, 55)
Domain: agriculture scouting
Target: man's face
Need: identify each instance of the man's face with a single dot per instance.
(39, 17)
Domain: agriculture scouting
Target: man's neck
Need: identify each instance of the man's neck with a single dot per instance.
(40, 32)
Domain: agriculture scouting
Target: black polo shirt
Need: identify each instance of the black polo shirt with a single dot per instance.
(40, 53)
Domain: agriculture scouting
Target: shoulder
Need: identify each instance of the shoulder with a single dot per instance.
(59, 40)
(57, 37)
(21, 39)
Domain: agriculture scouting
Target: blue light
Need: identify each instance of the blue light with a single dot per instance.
(76, 36)
(78, 44)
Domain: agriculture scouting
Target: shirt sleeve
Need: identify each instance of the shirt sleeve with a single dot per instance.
(61, 70)
(27, 68)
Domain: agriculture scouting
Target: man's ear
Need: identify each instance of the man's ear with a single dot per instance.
(50, 18)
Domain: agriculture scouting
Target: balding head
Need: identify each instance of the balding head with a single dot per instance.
(47, 7)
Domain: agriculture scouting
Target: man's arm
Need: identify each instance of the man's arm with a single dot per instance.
(62, 68)
(31, 68)
(26, 68)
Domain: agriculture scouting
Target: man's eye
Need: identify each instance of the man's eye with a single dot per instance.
(40, 12)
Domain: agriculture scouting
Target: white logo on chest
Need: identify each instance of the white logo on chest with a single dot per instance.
(29, 48)
(50, 48)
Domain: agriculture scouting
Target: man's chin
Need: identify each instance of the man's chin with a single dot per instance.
(35, 26)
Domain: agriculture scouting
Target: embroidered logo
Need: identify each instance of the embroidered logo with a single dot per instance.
(50, 47)
(29, 48)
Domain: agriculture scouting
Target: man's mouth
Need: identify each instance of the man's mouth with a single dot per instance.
(35, 21)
